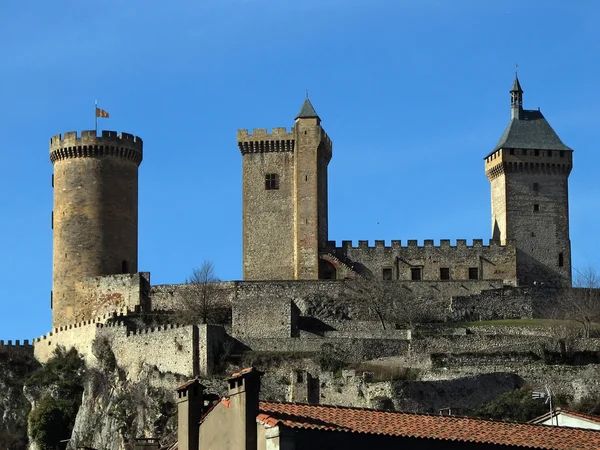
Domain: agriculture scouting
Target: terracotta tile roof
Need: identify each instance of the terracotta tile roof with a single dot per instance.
(462, 429)
(244, 372)
(189, 383)
(567, 412)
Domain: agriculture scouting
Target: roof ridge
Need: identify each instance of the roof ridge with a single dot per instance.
(419, 414)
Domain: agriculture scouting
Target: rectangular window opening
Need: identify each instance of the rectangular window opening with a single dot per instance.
(271, 181)
(561, 260)
(562, 153)
(444, 273)
(473, 273)
(536, 187)
(415, 274)
(512, 151)
(536, 153)
(386, 273)
(536, 207)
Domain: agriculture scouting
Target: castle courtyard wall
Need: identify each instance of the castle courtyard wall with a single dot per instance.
(492, 261)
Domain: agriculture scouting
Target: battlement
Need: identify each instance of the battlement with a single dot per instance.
(260, 141)
(413, 243)
(89, 144)
(117, 318)
(528, 161)
(159, 328)
(17, 343)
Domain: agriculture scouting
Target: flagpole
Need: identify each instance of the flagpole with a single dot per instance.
(96, 114)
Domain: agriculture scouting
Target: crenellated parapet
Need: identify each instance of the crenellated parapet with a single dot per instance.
(516, 160)
(90, 145)
(259, 141)
(430, 260)
(414, 243)
(279, 140)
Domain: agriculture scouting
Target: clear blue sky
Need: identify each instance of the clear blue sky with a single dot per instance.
(413, 93)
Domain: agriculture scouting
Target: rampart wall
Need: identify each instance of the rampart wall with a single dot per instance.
(171, 348)
(109, 293)
(188, 350)
(265, 318)
(17, 350)
(441, 262)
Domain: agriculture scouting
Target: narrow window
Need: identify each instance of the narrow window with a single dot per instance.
(271, 181)
(52, 180)
(561, 260)
(536, 187)
(52, 221)
(473, 273)
(536, 207)
(536, 153)
(387, 273)
(444, 273)
(51, 294)
(562, 153)
(415, 273)
(512, 151)
(124, 267)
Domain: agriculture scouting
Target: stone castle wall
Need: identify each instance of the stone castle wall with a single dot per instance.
(17, 350)
(187, 350)
(491, 262)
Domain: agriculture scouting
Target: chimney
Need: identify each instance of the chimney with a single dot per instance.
(189, 410)
(244, 389)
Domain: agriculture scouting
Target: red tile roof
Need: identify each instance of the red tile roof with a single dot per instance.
(462, 429)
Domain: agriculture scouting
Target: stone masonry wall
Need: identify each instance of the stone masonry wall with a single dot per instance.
(492, 261)
(265, 318)
(106, 294)
(330, 304)
(187, 350)
(170, 348)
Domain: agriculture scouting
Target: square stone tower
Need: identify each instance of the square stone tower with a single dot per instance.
(284, 199)
(529, 171)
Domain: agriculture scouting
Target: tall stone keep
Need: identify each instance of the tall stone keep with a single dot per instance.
(529, 175)
(284, 198)
(95, 217)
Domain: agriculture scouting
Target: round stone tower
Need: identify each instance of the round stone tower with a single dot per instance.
(95, 217)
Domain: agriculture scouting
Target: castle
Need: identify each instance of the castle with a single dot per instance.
(285, 211)
(289, 263)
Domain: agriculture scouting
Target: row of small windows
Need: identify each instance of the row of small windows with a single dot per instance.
(523, 152)
(416, 273)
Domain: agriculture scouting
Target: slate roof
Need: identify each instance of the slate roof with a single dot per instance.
(307, 111)
(531, 131)
(450, 428)
(516, 87)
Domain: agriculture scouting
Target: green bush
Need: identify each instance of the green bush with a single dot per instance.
(51, 422)
(61, 382)
(515, 405)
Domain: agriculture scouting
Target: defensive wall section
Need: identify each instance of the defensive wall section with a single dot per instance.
(188, 350)
(430, 262)
(109, 293)
(17, 350)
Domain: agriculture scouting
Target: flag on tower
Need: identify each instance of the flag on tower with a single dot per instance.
(101, 113)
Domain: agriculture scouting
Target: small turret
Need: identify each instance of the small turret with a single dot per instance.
(516, 99)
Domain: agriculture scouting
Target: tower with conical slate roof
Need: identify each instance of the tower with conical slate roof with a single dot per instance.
(528, 171)
(284, 198)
